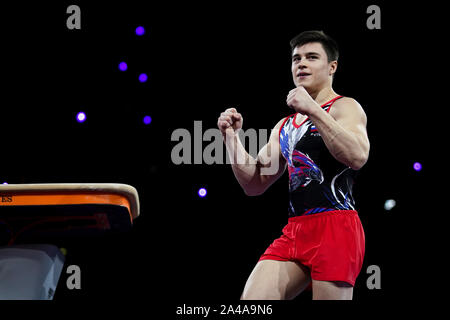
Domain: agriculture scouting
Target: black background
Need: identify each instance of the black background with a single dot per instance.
(202, 59)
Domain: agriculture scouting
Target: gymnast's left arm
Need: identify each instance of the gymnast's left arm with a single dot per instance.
(344, 131)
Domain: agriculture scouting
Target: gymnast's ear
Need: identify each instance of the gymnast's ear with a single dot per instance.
(332, 67)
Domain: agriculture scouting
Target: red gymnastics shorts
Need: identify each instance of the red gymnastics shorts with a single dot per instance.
(331, 244)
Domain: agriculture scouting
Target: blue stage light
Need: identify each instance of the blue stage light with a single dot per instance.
(143, 77)
(202, 192)
(123, 66)
(417, 166)
(147, 119)
(140, 31)
(81, 117)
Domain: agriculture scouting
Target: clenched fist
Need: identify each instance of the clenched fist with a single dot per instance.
(230, 121)
(300, 100)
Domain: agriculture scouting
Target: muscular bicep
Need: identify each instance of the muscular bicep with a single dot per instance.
(353, 119)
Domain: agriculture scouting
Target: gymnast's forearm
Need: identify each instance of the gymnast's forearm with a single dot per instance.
(245, 167)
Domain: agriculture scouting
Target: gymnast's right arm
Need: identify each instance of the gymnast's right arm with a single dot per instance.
(254, 175)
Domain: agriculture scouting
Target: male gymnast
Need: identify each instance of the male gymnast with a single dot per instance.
(323, 145)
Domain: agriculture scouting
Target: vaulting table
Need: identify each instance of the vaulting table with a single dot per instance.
(36, 218)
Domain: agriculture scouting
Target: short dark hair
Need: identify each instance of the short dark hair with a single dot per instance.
(329, 45)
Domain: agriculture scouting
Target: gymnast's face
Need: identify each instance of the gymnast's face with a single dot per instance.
(310, 66)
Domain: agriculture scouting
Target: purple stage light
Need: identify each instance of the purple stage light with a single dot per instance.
(147, 119)
(81, 117)
(123, 66)
(5, 182)
(202, 192)
(140, 31)
(143, 77)
(417, 166)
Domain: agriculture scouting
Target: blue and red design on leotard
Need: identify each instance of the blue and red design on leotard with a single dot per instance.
(302, 170)
(317, 181)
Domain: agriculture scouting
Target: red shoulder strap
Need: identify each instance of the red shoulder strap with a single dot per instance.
(331, 102)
